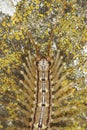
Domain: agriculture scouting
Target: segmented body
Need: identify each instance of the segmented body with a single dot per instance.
(43, 97)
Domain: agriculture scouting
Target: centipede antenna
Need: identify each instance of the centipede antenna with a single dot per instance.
(50, 42)
(32, 41)
(13, 46)
(52, 30)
